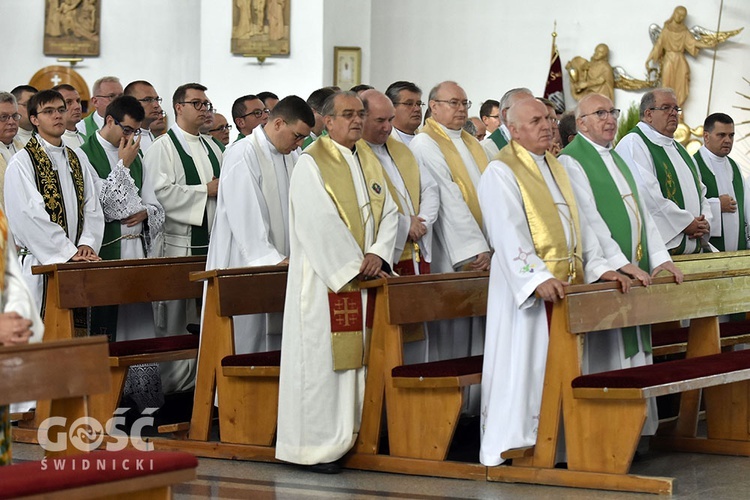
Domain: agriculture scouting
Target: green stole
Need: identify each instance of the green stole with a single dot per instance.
(667, 176)
(498, 138)
(239, 136)
(611, 206)
(198, 234)
(712, 191)
(90, 124)
(98, 158)
(221, 146)
(310, 139)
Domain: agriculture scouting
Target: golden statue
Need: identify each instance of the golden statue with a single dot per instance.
(670, 45)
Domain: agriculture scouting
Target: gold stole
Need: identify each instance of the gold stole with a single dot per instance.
(543, 217)
(456, 164)
(3, 247)
(347, 316)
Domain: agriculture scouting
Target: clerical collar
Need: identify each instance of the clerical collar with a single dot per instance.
(105, 143)
(404, 134)
(714, 158)
(599, 148)
(537, 158)
(48, 145)
(655, 136)
(377, 147)
(188, 135)
(453, 134)
(342, 148)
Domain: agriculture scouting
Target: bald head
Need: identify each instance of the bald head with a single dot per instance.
(529, 126)
(379, 118)
(510, 98)
(449, 105)
(599, 129)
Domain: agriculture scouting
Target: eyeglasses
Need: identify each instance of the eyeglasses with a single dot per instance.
(257, 113)
(198, 105)
(15, 117)
(603, 113)
(222, 128)
(494, 116)
(676, 109)
(108, 96)
(455, 103)
(410, 104)
(51, 111)
(128, 130)
(349, 115)
(151, 100)
(297, 137)
(553, 121)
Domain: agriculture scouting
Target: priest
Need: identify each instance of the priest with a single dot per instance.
(667, 177)
(22, 94)
(105, 89)
(342, 229)
(9, 144)
(725, 184)
(500, 137)
(50, 198)
(72, 137)
(252, 210)
(532, 263)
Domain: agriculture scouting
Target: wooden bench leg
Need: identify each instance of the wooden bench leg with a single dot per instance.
(604, 434)
(727, 412)
(421, 422)
(102, 406)
(248, 409)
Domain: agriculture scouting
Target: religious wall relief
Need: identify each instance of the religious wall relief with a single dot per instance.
(260, 27)
(71, 28)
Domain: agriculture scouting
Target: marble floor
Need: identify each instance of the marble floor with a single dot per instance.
(697, 477)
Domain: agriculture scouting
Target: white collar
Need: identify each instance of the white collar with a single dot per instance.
(599, 149)
(655, 136)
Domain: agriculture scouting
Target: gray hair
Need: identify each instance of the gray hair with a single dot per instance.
(104, 79)
(329, 104)
(395, 89)
(649, 99)
(470, 127)
(8, 97)
(509, 99)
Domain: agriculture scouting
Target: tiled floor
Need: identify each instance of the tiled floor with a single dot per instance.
(697, 477)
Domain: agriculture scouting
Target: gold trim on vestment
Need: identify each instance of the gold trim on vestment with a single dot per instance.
(453, 158)
(544, 219)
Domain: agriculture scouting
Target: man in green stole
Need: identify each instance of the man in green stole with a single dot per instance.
(667, 177)
(342, 229)
(248, 112)
(146, 94)
(625, 230)
(541, 245)
(105, 89)
(500, 137)
(183, 169)
(725, 184)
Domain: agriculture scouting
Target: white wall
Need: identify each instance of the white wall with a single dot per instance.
(347, 24)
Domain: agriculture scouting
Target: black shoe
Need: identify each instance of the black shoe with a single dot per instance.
(329, 468)
(561, 465)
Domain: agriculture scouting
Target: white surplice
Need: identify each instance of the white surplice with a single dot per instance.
(730, 221)
(252, 226)
(73, 139)
(184, 206)
(517, 332)
(119, 197)
(604, 350)
(670, 218)
(23, 136)
(147, 138)
(320, 410)
(402, 136)
(46, 241)
(489, 146)
(457, 240)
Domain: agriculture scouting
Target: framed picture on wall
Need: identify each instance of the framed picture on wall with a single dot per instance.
(347, 67)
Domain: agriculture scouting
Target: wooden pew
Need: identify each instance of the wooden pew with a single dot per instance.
(247, 384)
(66, 372)
(88, 284)
(415, 446)
(602, 426)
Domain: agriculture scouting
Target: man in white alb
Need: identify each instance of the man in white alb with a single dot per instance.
(104, 90)
(22, 94)
(407, 104)
(72, 137)
(500, 137)
(146, 94)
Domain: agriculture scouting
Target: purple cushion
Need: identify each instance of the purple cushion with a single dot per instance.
(153, 346)
(270, 358)
(446, 368)
(667, 372)
(30, 478)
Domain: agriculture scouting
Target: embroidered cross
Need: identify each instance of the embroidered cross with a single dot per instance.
(342, 312)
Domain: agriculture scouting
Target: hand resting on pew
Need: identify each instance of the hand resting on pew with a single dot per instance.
(85, 254)
(670, 268)
(553, 290)
(372, 267)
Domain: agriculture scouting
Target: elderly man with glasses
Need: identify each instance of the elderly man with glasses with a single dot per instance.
(104, 90)
(456, 161)
(9, 145)
(50, 196)
(667, 176)
(183, 169)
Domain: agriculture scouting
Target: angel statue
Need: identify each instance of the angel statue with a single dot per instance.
(670, 44)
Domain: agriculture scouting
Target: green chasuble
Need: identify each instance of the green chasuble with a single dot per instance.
(90, 124)
(712, 191)
(198, 234)
(667, 177)
(240, 136)
(310, 139)
(611, 205)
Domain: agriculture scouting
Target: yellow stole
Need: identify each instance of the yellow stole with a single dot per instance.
(544, 219)
(347, 342)
(3, 247)
(456, 164)
(409, 170)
